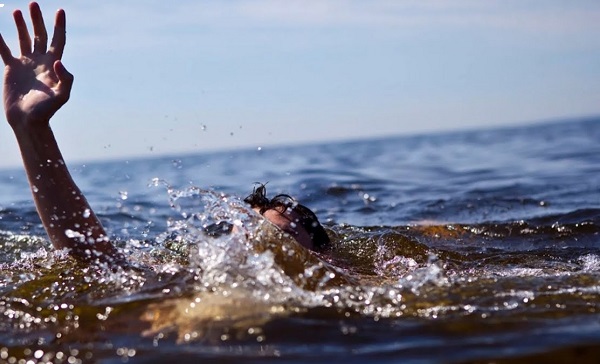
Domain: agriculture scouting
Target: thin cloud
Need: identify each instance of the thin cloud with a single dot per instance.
(533, 16)
(144, 24)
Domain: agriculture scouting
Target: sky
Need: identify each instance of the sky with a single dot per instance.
(172, 77)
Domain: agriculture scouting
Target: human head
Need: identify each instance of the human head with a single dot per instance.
(293, 218)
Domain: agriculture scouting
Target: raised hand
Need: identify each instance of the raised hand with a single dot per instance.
(36, 84)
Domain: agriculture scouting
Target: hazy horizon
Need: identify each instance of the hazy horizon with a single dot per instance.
(73, 161)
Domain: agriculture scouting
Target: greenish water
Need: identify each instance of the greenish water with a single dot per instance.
(464, 247)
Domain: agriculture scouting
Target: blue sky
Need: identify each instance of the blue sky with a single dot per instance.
(168, 77)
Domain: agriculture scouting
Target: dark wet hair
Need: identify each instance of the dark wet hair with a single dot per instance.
(308, 219)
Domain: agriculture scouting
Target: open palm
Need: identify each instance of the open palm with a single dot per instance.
(36, 84)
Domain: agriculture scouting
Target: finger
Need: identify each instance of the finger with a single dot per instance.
(40, 37)
(24, 40)
(65, 81)
(5, 52)
(60, 34)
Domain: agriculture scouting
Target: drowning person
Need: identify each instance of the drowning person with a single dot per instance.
(36, 86)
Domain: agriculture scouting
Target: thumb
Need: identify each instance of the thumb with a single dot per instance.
(5, 51)
(65, 80)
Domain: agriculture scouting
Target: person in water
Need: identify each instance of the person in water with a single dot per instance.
(36, 86)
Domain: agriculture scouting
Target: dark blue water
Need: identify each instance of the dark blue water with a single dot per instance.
(454, 247)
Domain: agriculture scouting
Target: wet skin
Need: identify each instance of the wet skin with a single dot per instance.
(289, 221)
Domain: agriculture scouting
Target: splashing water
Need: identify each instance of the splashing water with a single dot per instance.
(464, 254)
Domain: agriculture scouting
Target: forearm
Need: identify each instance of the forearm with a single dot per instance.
(64, 211)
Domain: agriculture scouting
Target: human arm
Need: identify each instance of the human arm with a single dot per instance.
(36, 85)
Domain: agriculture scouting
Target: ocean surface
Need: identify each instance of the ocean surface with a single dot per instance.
(471, 246)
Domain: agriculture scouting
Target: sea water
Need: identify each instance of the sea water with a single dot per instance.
(452, 247)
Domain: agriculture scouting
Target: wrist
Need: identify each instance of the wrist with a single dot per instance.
(25, 122)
